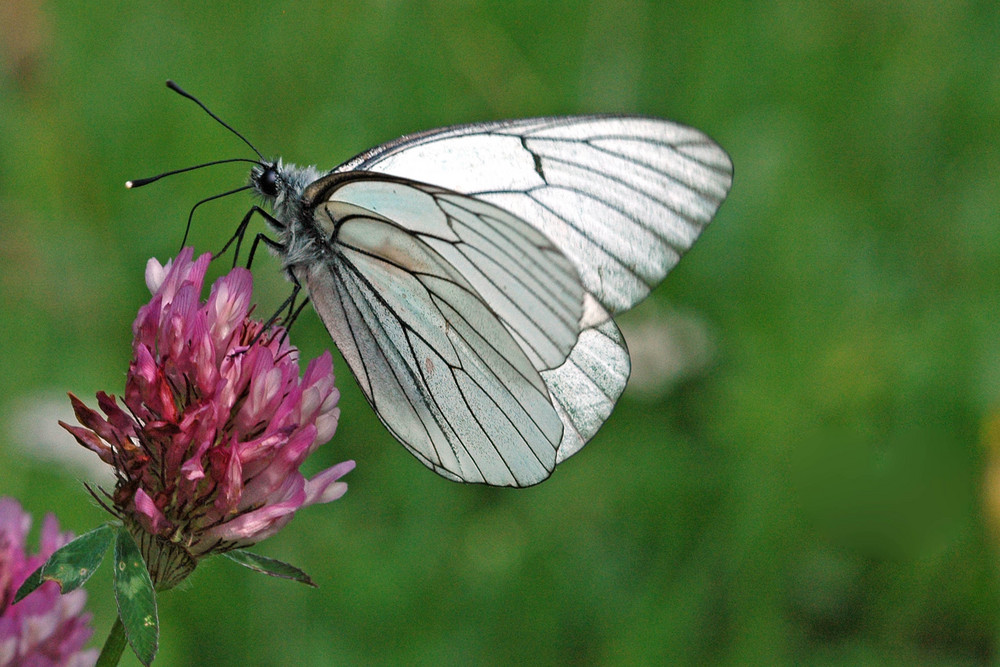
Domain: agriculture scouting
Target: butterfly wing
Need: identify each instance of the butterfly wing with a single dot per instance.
(447, 309)
(621, 196)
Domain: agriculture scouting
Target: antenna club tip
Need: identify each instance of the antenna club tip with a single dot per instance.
(128, 184)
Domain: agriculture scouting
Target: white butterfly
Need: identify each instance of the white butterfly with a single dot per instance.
(469, 274)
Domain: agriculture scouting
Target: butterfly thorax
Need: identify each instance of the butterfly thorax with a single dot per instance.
(284, 195)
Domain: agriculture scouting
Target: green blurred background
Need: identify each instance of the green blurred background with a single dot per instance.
(802, 474)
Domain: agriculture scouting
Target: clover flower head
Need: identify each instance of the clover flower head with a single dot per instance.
(214, 425)
(45, 628)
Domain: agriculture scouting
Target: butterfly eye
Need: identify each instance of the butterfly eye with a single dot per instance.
(268, 182)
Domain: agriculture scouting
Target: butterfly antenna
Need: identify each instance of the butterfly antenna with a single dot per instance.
(139, 182)
(180, 91)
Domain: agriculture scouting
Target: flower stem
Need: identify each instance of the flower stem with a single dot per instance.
(114, 645)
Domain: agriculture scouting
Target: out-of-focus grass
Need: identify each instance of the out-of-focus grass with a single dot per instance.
(815, 494)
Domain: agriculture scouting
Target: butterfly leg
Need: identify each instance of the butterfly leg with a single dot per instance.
(293, 310)
(241, 231)
(289, 306)
(269, 242)
(187, 229)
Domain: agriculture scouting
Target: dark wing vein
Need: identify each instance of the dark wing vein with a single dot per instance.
(670, 146)
(611, 176)
(503, 245)
(541, 243)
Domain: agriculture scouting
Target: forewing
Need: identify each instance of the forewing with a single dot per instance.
(622, 196)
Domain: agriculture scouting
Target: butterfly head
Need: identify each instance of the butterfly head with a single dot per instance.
(264, 178)
(280, 181)
(281, 185)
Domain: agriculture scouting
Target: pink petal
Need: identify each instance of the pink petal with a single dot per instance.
(148, 509)
(90, 440)
(231, 485)
(155, 274)
(324, 487)
(228, 304)
(326, 425)
(261, 523)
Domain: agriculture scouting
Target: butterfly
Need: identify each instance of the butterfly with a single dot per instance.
(469, 275)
